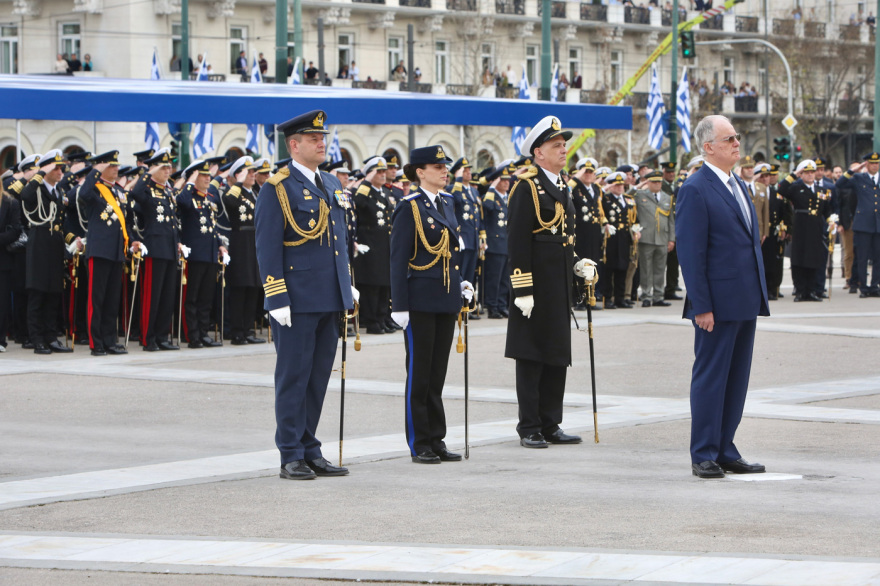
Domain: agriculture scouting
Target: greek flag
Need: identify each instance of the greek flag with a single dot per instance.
(151, 137)
(203, 132)
(554, 85)
(252, 138)
(655, 114)
(269, 130)
(294, 78)
(335, 152)
(519, 132)
(683, 111)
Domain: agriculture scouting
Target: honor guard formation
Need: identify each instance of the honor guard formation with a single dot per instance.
(93, 252)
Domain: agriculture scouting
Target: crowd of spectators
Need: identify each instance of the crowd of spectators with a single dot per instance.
(69, 64)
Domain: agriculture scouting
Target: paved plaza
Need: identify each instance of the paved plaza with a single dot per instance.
(161, 467)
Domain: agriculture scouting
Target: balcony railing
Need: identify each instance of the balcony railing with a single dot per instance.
(783, 26)
(594, 12)
(462, 5)
(593, 96)
(714, 23)
(557, 9)
(746, 24)
(416, 3)
(666, 16)
(510, 7)
(814, 30)
(636, 15)
(421, 88)
(849, 107)
(369, 85)
(460, 89)
(509, 92)
(211, 76)
(745, 104)
(849, 32)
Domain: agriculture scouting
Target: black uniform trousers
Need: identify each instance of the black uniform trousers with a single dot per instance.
(42, 316)
(105, 294)
(5, 303)
(201, 277)
(242, 307)
(804, 280)
(497, 290)
(19, 299)
(671, 274)
(540, 388)
(157, 302)
(868, 246)
(78, 315)
(428, 339)
(306, 351)
(772, 271)
(615, 285)
(374, 305)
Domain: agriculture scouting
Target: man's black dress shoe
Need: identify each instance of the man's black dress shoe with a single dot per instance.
(117, 349)
(504, 312)
(296, 470)
(195, 344)
(780, 295)
(392, 325)
(370, 330)
(209, 342)
(495, 314)
(28, 345)
(167, 346)
(560, 437)
(813, 297)
(99, 352)
(672, 297)
(799, 298)
(41, 349)
(662, 303)
(239, 341)
(426, 457)
(84, 341)
(536, 440)
(447, 456)
(610, 305)
(707, 469)
(742, 467)
(254, 340)
(472, 316)
(624, 304)
(389, 330)
(151, 347)
(875, 293)
(322, 467)
(57, 346)
(646, 303)
(771, 297)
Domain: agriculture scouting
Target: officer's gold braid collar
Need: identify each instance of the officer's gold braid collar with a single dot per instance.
(440, 250)
(555, 223)
(316, 231)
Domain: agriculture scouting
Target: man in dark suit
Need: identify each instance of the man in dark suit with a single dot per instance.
(719, 249)
(301, 251)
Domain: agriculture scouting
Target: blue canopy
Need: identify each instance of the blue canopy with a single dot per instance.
(38, 97)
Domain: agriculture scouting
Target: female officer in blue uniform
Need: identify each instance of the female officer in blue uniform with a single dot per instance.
(426, 293)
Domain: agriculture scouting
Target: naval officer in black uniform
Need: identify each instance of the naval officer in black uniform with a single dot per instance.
(426, 292)
(542, 264)
(301, 250)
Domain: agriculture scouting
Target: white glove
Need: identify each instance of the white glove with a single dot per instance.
(526, 304)
(226, 258)
(461, 243)
(72, 247)
(143, 249)
(185, 250)
(467, 290)
(361, 248)
(636, 228)
(833, 219)
(401, 318)
(611, 230)
(281, 315)
(585, 269)
(355, 294)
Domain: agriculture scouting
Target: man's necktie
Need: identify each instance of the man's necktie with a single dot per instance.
(740, 201)
(319, 183)
(657, 196)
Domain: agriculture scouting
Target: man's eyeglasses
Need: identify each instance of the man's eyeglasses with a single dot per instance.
(730, 139)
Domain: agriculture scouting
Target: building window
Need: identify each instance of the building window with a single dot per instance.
(237, 44)
(487, 58)
(395, 53)
(616, 69)
(762, 77)
(441, 62)
(68, 38)
(485, 159)
(291, 45)
(345, 48)
(532, 52)
(8, 48)
(728, 70)
(574, 61)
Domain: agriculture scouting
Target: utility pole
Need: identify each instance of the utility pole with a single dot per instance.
(410, 78)
(767, 83)
(673, 97)
(184, 75)
(546, 65)
(298, 33)
(876, 86)
(281, 41)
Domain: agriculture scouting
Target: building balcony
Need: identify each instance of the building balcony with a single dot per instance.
(517, 7)
(594, 12)
(557, 9)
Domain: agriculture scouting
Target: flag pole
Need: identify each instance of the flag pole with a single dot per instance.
(673, 106)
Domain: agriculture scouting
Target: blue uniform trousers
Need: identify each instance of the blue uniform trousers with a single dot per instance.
(469, 265)
(495, 266)
(305, 354)
(722, 363)
(868, 246)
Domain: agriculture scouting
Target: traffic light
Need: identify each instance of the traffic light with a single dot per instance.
(175, 153)
(798, 153)
(688, 45)
(782, 148)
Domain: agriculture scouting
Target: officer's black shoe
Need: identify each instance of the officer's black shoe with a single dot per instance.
(99, 352)
(661, 304)
(625, 304)
(875, 293)
(504, 312)
(780, 295)
(117, 349)
(151, 347)
(473, 316)
(851, 290)
(57, 346)
(447, 456)
(375, 330)
(426, 457)
(393, 325)
(195, 344)
(28, 345)
(82, 341)
(628, 303)
(813, 297)
(41, 349)
(495, 314)
(824, 295)
(799, 298)
(322, 467)
(389, 330)
(254, 340)
(536, 440)
(771, 297)
(864, 294)
(239, 341)
(560, 437)
(167, 346)
(672, 297)
(646, 303)
(296, 470)
(741, 466)
(208, 342)
(610, 305)
(707, 469)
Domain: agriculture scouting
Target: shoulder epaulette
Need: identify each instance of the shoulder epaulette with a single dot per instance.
(572, 183)
(413, 195)
(456, 187)
(16, 186)
(444, 194)
(234, 191)
(282, 174)
(489, 196)
(363, 189)
(530, 172)
(215, 183)
(791, 178)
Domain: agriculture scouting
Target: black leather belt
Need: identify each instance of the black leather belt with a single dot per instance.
(561, 239)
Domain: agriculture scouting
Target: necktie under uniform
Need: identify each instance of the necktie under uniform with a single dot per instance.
(739, 198)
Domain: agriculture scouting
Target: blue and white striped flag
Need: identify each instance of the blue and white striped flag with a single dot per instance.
(554, 85)
(151, 137)
(655, 113)
(203, 132)
(294, 78)
(683, 111)
(335, 151)
(519, 132)
(269, 130)
(252, 138)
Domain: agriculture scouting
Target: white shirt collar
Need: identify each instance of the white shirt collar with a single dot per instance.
(307, 173)
(725, 177)
(554, 179)
(432, 196)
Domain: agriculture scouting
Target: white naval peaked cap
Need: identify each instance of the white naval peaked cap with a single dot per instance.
(548, 127)
(374, 163)
(586, 162)
(246, 161)
(806, 165)
(616, 178)
(762, 168)
(55, 155)
(30, 161)
(603, 171)
(698, 160)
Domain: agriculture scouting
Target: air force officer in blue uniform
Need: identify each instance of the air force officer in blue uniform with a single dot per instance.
(719, 250)
(301, 249)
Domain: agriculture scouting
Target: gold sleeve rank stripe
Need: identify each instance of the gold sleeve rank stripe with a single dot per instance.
(520, 279)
